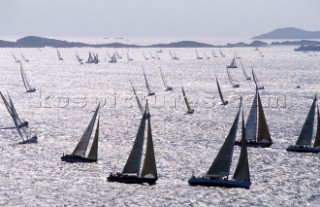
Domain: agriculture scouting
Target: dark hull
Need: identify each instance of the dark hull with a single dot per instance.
(190, 112)
(303, 149)
(219, 182)
(254, 144)
(32, 140)
(236, 86)
(31, 90)
(130, 179)
(74, 158)
(169, 88)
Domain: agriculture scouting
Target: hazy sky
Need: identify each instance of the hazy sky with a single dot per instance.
(173, 18)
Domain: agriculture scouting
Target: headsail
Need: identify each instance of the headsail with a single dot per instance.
(263, 130)
(134, 160)
(305, 136)
(149, 167)
(317, 139)
(242, 171)
(81, 147)
(93, 154)
(221, 164)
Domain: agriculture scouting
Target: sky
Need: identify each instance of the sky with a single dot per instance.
(155, 18)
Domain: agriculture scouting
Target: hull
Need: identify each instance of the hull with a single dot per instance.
(303, 149)
(236, 86)
(130, 179)
(151, 93)
(190, 112)
(169, 88)
(31, 90)
(32, 140)
(219, 182)
(254, 144)
(74, 158)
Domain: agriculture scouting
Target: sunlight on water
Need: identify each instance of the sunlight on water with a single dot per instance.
(67, 94)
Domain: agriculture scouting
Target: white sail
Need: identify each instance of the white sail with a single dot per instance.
(113, 58)
(221, 164)
(82, 145)
(78, 58)
(15, 59)
(251, 125)
(128, 57)
(244, 72)
(198, 56)
(256, 81)
(164, 81)
(25, 60)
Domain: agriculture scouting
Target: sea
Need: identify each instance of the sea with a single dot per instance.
(67, 94)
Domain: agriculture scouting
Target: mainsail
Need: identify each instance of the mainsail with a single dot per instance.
(147, 84)
(164, 80)
(59, 55)
(242, 171)
(198, 56)
(221, 164)
(25, 81)
(305, 136)
(133, 163)
(220, 93)
(255, 79)
(251, 125)
(244, 72)
(25, 60)
(231, 80)
(186, 101)
(81, 147)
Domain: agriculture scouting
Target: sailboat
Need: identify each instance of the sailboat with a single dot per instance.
(78, 58)
(113, 58)
(144, 56)
(223, 102)
(157, 56)
(303, 143)
(15, 59)
(150, 92)
(168, 88)
(256, 82)
(221, 53)
(20, 126)
(128, 57)
(118, 55)
(25, 60)
(26, 84)
(78, 154)
(173, 55)
(234, 85)
(233, 63)
(219, 171)
(59, 55)
(198, 56)
(151, 55)
(131, 172)
(190, 111)
(95, 58)
(244, 72)
(257, 130)
(260, 53)
(137, 98)
(205, 56)
(213, 54)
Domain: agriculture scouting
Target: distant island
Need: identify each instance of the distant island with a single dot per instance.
(39, 42)
(289, 33)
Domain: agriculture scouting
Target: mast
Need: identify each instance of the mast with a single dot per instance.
(82, 145)
(242, 171)
(221, 164)
(149, 166)
(134, 160)
(251, 125)
(305, 136)
(93, 154)
(317, 139)
(263, 130)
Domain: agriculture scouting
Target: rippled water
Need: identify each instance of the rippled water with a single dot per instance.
(67, 93)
